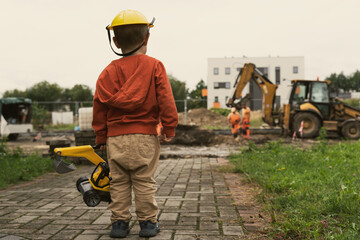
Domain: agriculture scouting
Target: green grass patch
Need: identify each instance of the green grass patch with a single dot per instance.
(310, 193)
(16, 167)
(223, 111)
(256, 122)
(60, 127)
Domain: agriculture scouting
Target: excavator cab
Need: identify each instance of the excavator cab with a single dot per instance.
(311, 96)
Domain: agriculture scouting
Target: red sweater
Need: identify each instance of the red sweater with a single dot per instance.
(132, 94)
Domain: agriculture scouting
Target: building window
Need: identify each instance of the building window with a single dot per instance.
(264, 71)
(277, 75)
(238, 69)
(216, 99)
(226, 99)
(218, 85)
(216, 71)
(295, 69)
(227, 71)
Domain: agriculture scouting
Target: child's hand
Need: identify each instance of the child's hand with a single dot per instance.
(164, 138)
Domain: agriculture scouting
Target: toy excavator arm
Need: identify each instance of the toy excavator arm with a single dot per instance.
(85, 151)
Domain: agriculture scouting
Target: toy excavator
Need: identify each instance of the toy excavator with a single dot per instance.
(94, 189)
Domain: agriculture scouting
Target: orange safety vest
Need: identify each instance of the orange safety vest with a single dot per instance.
(235, 120)
(159, 129)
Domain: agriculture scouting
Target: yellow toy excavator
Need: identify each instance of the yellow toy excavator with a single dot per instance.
(94, 189)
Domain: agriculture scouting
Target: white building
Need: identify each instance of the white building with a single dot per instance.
(222, 73)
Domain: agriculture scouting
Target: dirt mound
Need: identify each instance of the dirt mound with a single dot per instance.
(192, 135)
(195, 136)
(204, 118)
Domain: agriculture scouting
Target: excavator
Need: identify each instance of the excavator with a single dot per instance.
(309, 106)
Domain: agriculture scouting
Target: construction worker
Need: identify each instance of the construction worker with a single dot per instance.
(245, 121)
(159, 129)
(132, 94)
(234, 121)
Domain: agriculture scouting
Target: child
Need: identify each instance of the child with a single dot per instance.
(132, 94)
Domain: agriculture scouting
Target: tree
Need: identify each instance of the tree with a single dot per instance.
(180, 92)
(178, 88)
(45, 91)
(355, 79)
(340, 82)
(196, 98)
(15, 93)
(79, 92)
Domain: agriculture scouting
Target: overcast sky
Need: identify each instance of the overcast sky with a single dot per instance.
(65, 41)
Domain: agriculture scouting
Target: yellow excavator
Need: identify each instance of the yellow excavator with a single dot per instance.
(310, 106)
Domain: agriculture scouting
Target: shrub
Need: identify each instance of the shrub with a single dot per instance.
(223, 111)
(16, 167)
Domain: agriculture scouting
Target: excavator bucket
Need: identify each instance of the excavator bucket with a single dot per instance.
(62, 167)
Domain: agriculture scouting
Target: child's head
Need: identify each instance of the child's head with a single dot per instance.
(131, 31)
(129, 37)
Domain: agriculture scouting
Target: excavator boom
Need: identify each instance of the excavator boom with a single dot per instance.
(268, 89)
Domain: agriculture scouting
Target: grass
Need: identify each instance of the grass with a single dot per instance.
(256, 122)
(16, 167)
(60, 127)
(310, 193)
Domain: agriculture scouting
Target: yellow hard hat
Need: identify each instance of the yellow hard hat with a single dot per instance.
(128, 17)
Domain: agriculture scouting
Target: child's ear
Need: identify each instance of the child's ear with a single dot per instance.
(147, 39)
(116, 43)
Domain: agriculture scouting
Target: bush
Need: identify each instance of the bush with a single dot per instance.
(16, 167)
(223, 111)
(40, 116)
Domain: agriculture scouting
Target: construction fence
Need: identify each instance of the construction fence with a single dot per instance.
(78, 115)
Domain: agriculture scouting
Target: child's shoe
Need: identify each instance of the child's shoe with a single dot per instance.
(148, 228)
(119, 229)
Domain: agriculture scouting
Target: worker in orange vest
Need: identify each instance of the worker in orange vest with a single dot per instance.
(234, 121)
(246, 121)
(159, 129)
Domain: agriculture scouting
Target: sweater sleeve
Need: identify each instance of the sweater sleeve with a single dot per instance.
(167, 108)
(99, 123)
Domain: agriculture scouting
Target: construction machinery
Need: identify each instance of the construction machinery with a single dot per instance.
(310, 106)
(95, 188)
(15, 116)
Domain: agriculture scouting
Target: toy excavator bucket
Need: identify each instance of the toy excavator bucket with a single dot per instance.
(62, 167)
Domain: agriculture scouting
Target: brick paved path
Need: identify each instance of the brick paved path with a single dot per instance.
(194, 202)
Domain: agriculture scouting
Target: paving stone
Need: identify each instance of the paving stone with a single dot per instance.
(214, 225)
(24, 219)
(185, 237)
(12, 237)
(87, 237)
(192, 198)
(169, 216)
(173, 203)
(233, 230)
(207, 208)
(66, 234)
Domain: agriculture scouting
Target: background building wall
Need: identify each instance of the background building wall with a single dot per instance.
(222, 73)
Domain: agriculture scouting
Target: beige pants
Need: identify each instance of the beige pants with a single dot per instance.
(133, 160)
